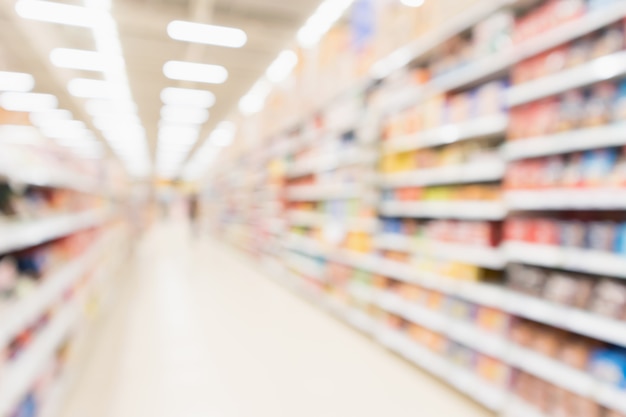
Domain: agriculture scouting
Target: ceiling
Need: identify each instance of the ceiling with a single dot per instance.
(271, 25)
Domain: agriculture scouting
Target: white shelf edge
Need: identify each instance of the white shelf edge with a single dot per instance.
(484, 127)
(579, 260)
(337, 159)
(471, 210)
(560, 143)
(567, 199)
(20, 235)
(597, 70)
(471, 254)
(482, 171)
(324, 192)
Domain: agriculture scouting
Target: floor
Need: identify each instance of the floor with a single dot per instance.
(198, 331)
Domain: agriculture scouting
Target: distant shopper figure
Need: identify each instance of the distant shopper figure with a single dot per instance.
(193, 214)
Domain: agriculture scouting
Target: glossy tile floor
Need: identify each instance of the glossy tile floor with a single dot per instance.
(198, 331)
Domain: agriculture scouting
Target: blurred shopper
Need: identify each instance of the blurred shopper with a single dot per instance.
(193, 214)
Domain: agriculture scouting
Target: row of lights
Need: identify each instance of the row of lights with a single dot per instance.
(184, 111)
(53, 123)
(109, 101)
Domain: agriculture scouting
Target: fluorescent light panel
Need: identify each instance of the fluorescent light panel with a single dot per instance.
(184, 115)
(65, 14)
(254, 101)
(90, 88)
(27, 102)
(99, 106)
(85, 60)
(207, 34)
(281, 68)
(329, 12)
(16, 81)
(45, 117)
(187, 97)
(190, 71)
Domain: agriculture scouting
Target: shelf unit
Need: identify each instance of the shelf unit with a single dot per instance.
(353, 296)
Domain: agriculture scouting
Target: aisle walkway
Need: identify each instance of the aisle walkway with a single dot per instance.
(199, 332)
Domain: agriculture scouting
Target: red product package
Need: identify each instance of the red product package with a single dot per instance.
(518, 230)
(544, 232)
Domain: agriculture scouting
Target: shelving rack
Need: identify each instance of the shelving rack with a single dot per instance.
(52, 314)
(357, 297)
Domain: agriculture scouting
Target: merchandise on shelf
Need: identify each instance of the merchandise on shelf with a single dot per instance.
(598, 105)
(478, 151)
(603, 296)
(29, 202)
(478, 192)
(474, 233)
(21, 272)
(604, 42)
(437, 111)
(581, 231)
(594, 169)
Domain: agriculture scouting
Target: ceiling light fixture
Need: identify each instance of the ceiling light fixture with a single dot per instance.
(45, 117)
(16, 81)
(321, 21)
(27, 102)
(190, 71)
(254, 101)
(89, 88)
(184, 115)
(96, 107)
(412, 3)
(65, 14)
(281, 68)
(85, 60)
(187, 97)
(207, 34)
(223, 135)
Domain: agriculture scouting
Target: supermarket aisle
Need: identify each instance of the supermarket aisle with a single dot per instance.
(200, 332)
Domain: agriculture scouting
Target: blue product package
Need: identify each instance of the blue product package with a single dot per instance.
(619, 107)
(609, 365)
(598, 165)
(620, 240)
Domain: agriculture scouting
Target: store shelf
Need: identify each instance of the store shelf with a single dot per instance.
(543, 311)
(313, 248)
(487, 257)
(483, 171)
(576, 199)
(573, 259)
(570, 31)
(479, 128)
(550, 370)
(498, 346)
(462, 332)
(314, 219)
(425, 44)
(560, 143)
(599, 69)
(330, 160)
(306, 267)
(471, 210)
(462, 379)
(518, 408)
(24, 312)
(19, 235)
(21, 376)
(324, 192)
